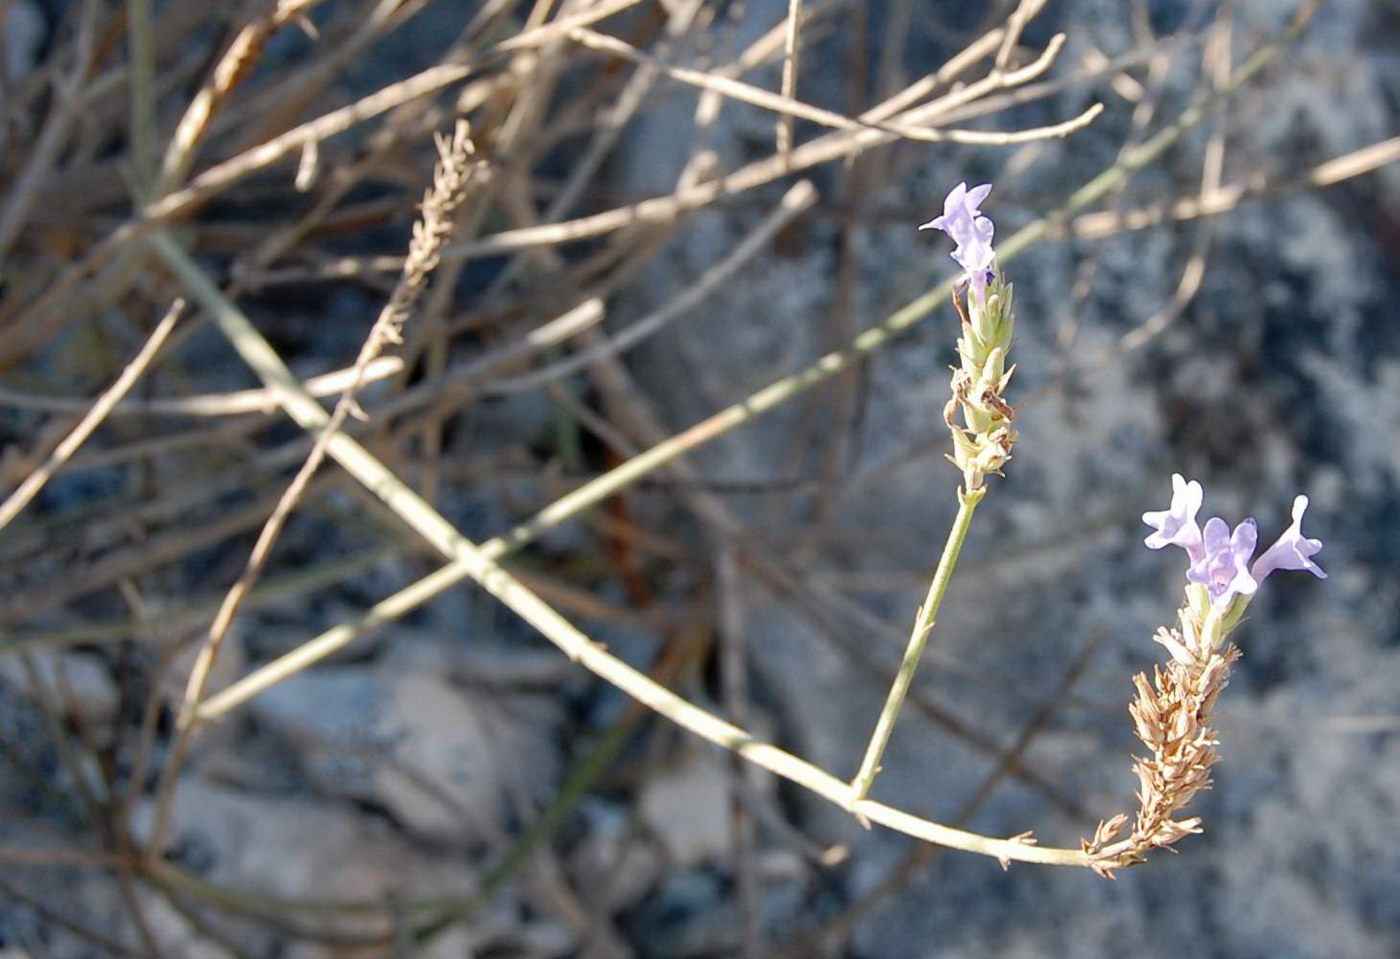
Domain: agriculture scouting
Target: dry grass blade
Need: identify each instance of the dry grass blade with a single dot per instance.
(37, 319)
(23, 193)
(796, 201)
(788, 108)
(213, 404)
(1222, 199)
(235, 65)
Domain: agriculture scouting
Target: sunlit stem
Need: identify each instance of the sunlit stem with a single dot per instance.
(918, 639)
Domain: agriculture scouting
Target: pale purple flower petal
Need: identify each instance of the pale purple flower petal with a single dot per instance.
(1293, 550)
(952, 211)
(1220, 558)
(976, 195)
(1177, 526)
(975, 256)
(962, 214)
(1224, 567)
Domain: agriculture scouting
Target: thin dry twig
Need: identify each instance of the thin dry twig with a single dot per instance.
(796, 201)
(101, 408)
(789, 108)
(245, 50)
(1226, 198)
(24, 191)
(52, 916)
(734, 678)
(789, 88)
(233, 403)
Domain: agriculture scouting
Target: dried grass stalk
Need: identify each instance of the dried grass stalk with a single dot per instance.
(456, 166)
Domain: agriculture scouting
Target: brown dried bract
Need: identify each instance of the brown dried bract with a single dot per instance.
(1026, 838)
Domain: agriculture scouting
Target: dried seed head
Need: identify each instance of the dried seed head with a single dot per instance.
(1172, 716)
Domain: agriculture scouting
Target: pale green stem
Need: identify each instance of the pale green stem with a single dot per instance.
(918, 639)
(1213, 631)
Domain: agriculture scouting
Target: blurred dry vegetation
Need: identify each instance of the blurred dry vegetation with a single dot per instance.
(203, 208)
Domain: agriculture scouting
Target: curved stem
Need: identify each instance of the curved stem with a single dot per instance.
(918, 639)
(480, 565)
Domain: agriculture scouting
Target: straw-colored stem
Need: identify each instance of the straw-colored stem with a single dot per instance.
(918, 639)
(794, 19)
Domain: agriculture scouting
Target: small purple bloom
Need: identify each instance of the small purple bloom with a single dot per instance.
(1177, 526)
(1292, 551)
(962, 220)
(1224, 567)
(961, 211)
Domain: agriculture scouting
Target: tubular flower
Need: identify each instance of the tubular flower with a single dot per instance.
(1223, 569)
(1176, 526)
(962, 220)
(1293, 550)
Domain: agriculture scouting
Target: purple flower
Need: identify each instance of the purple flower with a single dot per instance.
(1224, 566)
(1177, 526)
(1292, 551)
(961, 211)
(962, 220)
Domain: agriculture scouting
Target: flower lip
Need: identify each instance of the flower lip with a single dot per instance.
(961, 210)
(1220, 558)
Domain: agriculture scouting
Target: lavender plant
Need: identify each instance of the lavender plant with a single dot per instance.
(1172, 711)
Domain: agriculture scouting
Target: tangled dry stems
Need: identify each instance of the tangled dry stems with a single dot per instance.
(1172, 712)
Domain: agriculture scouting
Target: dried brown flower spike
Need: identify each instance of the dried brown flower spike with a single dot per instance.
(1172, 717)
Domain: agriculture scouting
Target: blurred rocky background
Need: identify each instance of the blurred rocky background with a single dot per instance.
(449, 784)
